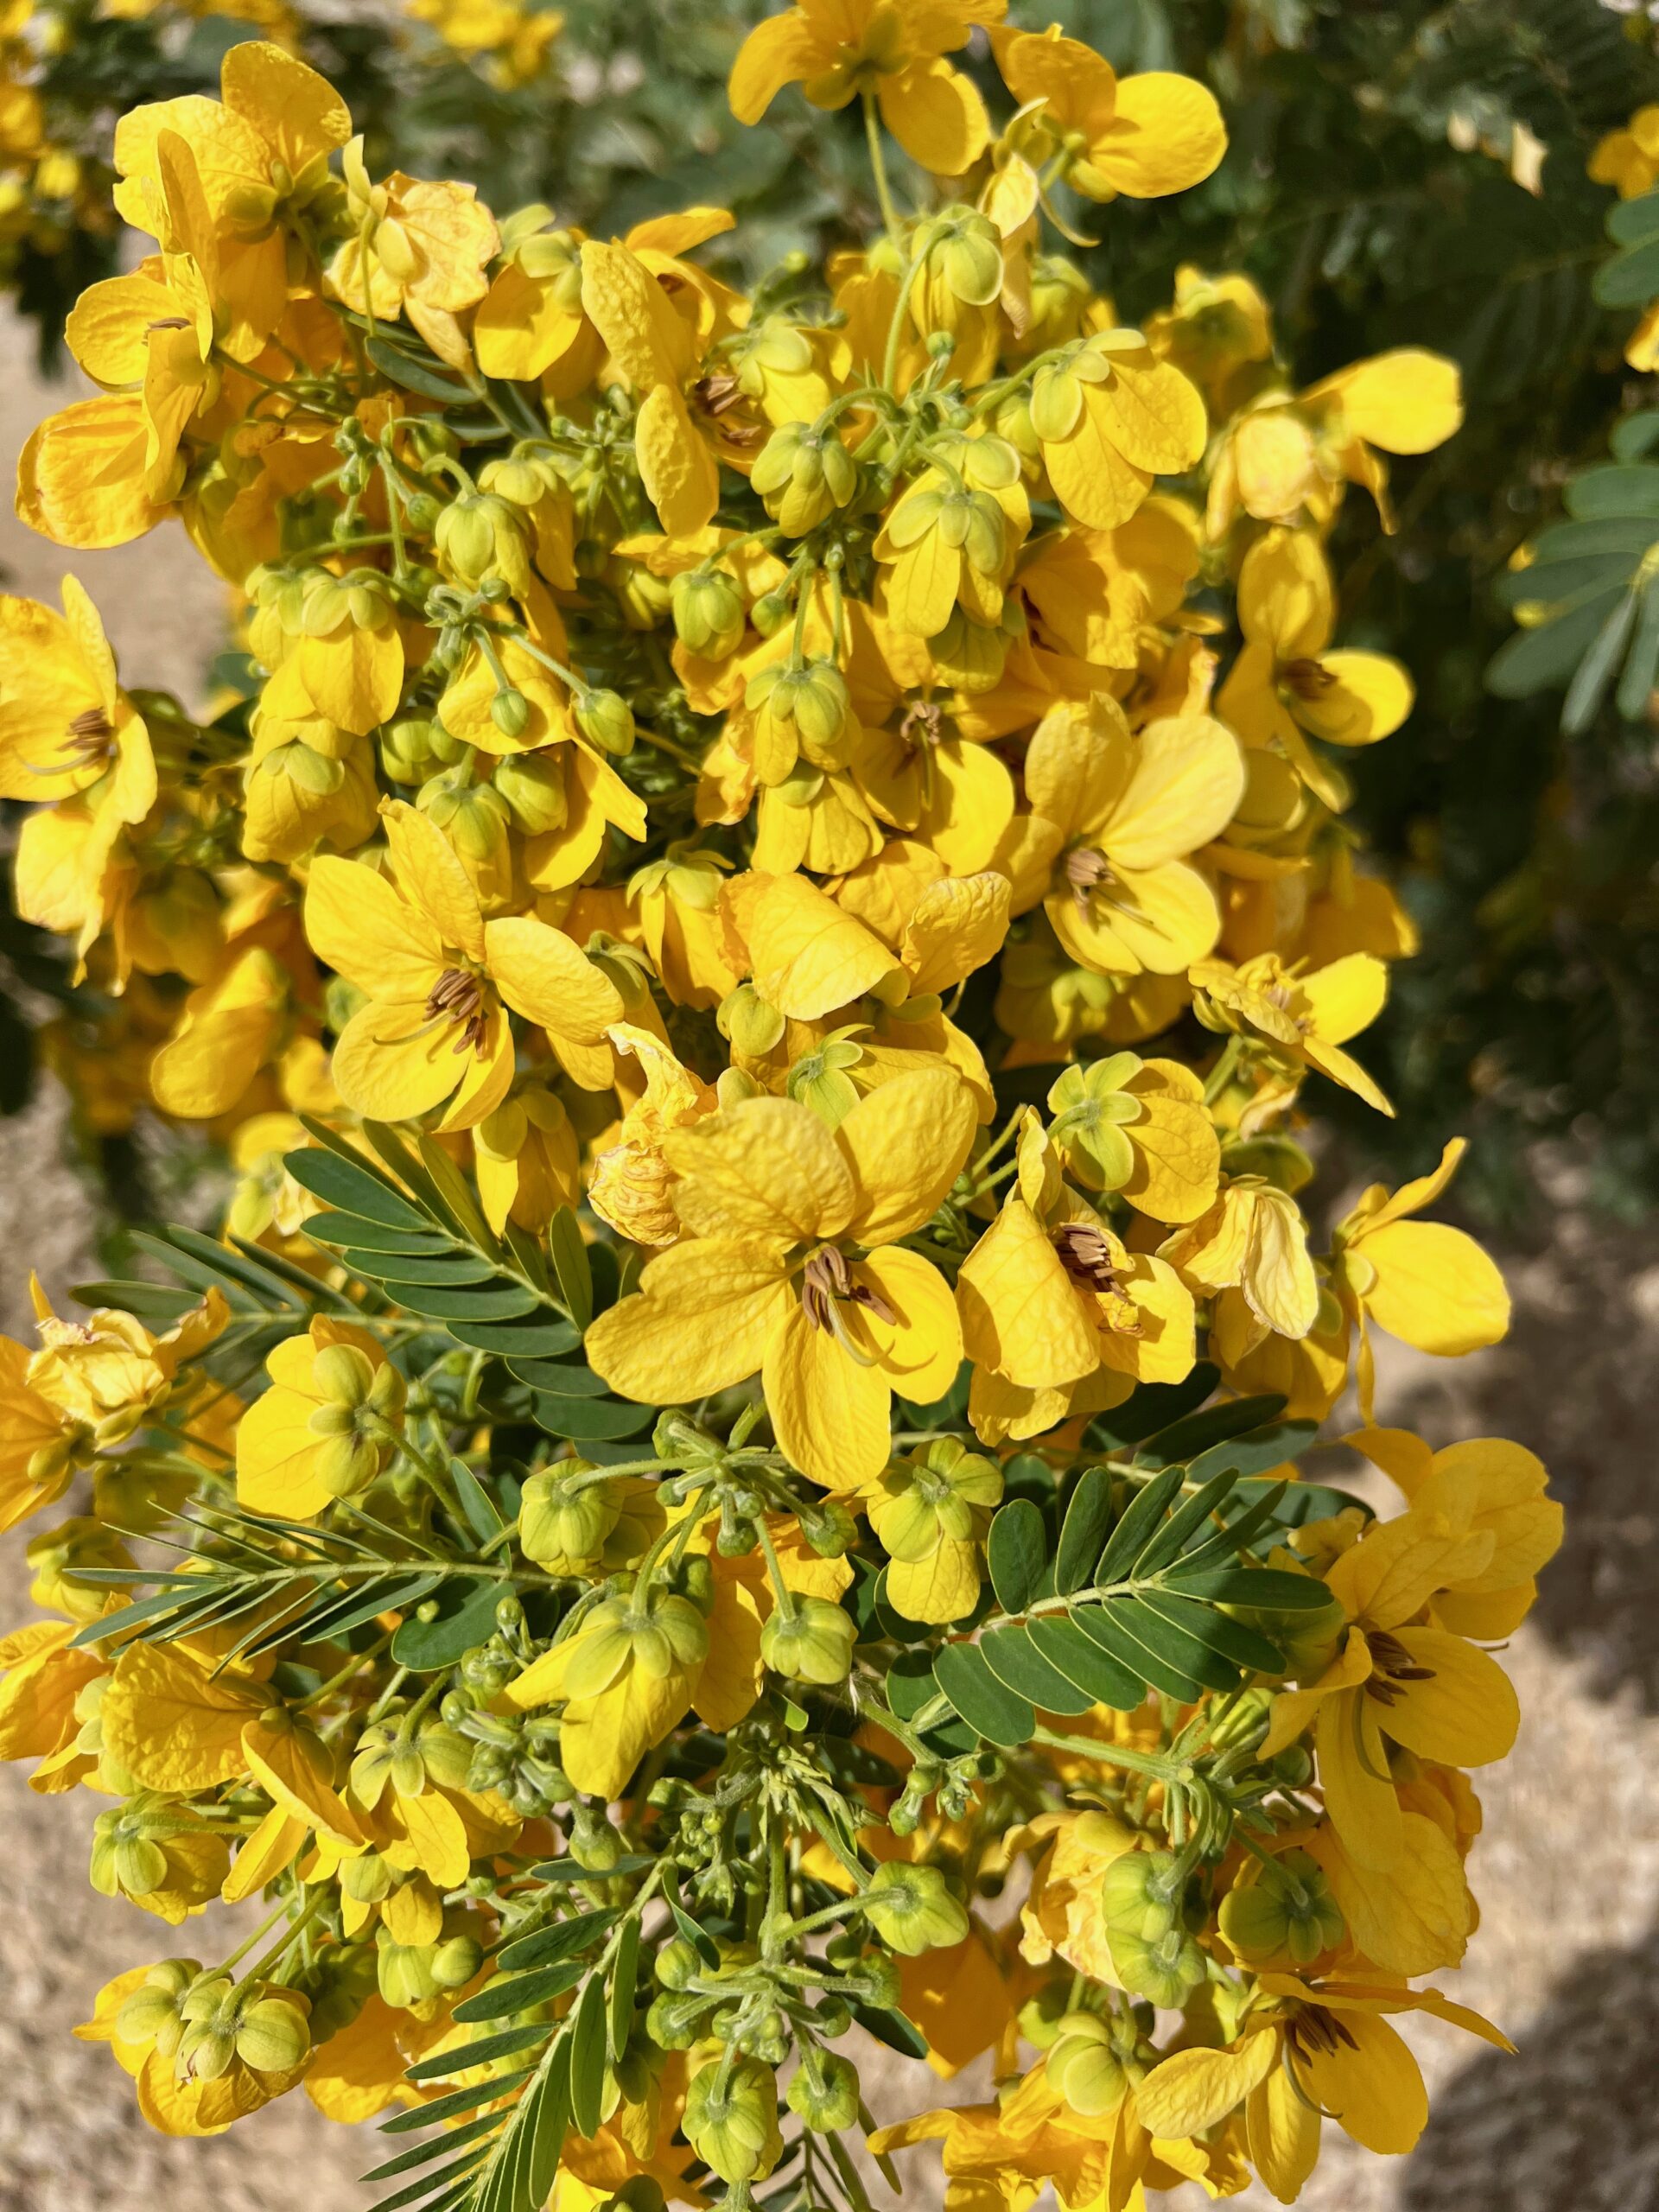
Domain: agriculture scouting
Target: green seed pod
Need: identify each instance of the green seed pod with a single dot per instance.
(911, 1909)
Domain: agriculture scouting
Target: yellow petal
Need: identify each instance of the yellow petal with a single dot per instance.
(906, 1141)
(764, 1167)
(171, 1724)
(436, 1835)
(1353, 1773)
(1186, 788)
(433, 879)
(545, 976)
(1346, 997)
(1370, 2085)
(780, 51)
(680, 473)
(830, 1413)
(291, 1764)
(1192, 2090)
(1416, 1917)
(1407, 401)
(955, 927)
(277, 1453)
(945, 1586)
(1282, 2134)
(920, 1351)
(936, 116)
(393, 1064)
(1021, 1317)
(809, 957)
(1435, 1288)
(81, 477)
(1165, 134)
(1466, 1713)
(359, 926)
(274, 1844)
(699, 1323)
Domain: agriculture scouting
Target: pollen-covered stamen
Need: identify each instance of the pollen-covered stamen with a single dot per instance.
(827, 1285)
(1308, 678)
(1087, 871)
(1392, 1666)
(923, 724)
(1086, 1257)
(458, 997)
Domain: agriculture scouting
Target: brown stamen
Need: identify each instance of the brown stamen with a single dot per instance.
(1085, 1256)
(1308, 678)
(827, 1281)
(1313, 2030)
(923, 723)
(1085, 870)
(1392, 1665)
(457, 997)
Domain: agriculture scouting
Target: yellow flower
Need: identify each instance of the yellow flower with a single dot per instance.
(837, 50)
(224, 1034)
(1305, 1018)
(795, 1269)
(631, 1184)
(1312, 2049)
(1506, 1484)
(419, 249)
(1110, 416)
(1119, 813)
(1142, 135)
(435, 973)
(323, 1430)
(1398, 1678)
(66, 724)
(1287, 459)
(1138, 1126)
(1253, 1239)
(1058, 1317)
(953, 537)
(1629, 158)
(1428, 1284)
(524, 1156)
(1284, 687)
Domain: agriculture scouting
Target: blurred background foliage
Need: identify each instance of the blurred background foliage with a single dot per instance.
(1404, 174)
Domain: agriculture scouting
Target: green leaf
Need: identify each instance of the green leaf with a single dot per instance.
(353, 1230)
(569, 1255)
(1544, 660)
(1594, 673)
(447, 1270)
(352, 1189)
(1642, 662)
(567, 1870)
(624, 1976)
(1271, 1589)
(1245, 1646)
(562, 1378)
(1108, 1627)
(1088, 1524)
(587, 2057)
(1151, 1407)
(516, 1993)
(481, 2053)
(465, 1617)
(149, 1301)
(475, 1501)
(1615, 488)
(1077, 1656)
(414, 375)
(1633, 437)
(458, 2100)
(1016, 1551)
(889, 2026)
(1167, 1544)
(447, 2140)
(532, 1340)
(1629, 221)
(1132, 1533)
(1630, 279)
(581, 1418)
(565, 1939)
(989, 1707)
(1184, 1440)
(1255, 1451)
(1015, 1659)
(505, 1304)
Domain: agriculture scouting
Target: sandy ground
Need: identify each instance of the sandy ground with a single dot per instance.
(1567, 1871)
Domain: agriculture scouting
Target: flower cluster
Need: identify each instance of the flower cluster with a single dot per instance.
(780, 882)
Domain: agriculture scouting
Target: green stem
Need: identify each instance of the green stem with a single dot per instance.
(895, 329)
(1148, 1762)
(878, 165)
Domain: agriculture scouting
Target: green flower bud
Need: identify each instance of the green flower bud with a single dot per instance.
(566, 1515)
(1288, 1910)
(455, 1960)
(404, 1972)
(153, 2013)
(748, 1023)
(823, 2093)
(408, 750)
(1142, 1904)
(803, 475)
(677, 1963)
(674, 2020)
(273, 2034)
(813, 1642)
(367, 1878)
(733, 2124)
(479, 535)
(801, 710)
(510, 712)
(342, 1375)
(605, 719)
(532, 783)
(708, 613)
(1084, 2067)
(911, 1910)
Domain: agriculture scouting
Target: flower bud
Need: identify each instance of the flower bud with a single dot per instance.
(677, 1963)
(823, 2092)
(479, 535)
(911, 1910)
(733, 2124)
(1084, 2067)
(605, 719)
(342, 1375)
(566, 1515)
(748, 1023)
(813, 1642)
(1285, 1911)
(273, 2035)
(455, 1960)
(1142, 1903)
(708, 613)
(532, 783)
